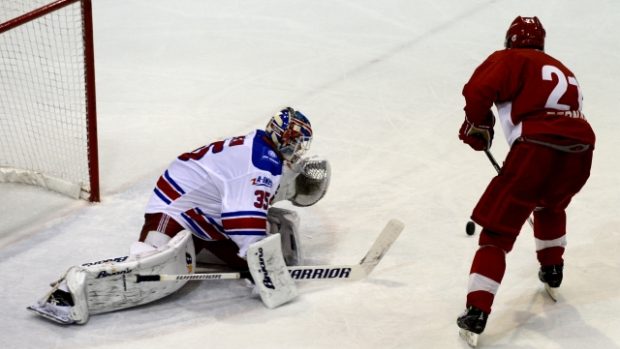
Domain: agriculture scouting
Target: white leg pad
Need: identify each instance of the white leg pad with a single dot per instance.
(156, 239)
(76, 279)
(109, 285)
(153, 241)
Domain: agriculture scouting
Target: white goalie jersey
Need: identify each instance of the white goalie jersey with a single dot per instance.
(222, 190)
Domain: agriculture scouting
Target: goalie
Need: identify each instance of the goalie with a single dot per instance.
(212, 203)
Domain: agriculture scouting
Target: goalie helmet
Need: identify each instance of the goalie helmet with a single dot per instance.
(291, 133)
(525, 32)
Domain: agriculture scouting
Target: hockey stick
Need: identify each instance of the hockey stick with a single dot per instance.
(493, 161)
(193, 277)
(470, 228)
(352, 272)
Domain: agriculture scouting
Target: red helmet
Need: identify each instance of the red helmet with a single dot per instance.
(525, 32)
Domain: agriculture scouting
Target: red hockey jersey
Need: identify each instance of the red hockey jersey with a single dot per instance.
(536, 96)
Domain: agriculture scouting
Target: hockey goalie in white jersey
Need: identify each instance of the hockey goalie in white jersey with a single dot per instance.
(215, 200)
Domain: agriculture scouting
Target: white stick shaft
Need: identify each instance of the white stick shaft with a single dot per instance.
(191, 277)
(201, 277)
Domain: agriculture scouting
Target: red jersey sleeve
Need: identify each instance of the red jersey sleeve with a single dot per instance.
(490, 82)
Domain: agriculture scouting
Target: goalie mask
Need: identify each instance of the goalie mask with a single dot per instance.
(291, 133)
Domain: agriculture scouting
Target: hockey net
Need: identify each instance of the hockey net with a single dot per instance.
(48, 132)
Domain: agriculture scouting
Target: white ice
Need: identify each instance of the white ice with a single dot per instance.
(381, 82)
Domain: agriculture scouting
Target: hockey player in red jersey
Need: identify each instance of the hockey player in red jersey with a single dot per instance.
(538, 101)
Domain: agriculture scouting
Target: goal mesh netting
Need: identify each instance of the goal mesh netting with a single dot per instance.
(47, 103)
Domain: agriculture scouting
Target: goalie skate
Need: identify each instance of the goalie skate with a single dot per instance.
(56, 307)
(52, 313)
(64, 304)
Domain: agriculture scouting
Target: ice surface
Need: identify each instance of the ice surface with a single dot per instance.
(381, 83)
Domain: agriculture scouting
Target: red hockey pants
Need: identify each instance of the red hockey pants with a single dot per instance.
(533, 177)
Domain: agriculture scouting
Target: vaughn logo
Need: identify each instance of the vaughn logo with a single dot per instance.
(263, 269)
(104, 274)
(115, 260)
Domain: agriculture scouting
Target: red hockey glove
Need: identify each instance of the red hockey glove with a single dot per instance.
(479, 137)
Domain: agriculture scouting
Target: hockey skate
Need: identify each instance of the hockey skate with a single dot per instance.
(551, 276)
(65, 303)
(471, 323)
(57, 307)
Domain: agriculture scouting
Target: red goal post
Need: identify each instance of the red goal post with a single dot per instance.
(48, 120)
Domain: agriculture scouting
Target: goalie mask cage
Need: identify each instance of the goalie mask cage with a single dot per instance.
(48, 128)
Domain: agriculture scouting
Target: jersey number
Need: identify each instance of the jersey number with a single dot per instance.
(262, 199)
(215, 148)
(553, 102)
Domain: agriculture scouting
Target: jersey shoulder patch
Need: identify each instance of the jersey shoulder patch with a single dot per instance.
(264, 157)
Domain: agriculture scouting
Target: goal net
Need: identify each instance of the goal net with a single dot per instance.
(48, 132)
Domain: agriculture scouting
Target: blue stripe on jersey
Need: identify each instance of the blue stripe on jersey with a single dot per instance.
(215, 225)
(264, 156)
(162, 196)
(201, 233)
(173, 183)
(212, 221)
(244, 213)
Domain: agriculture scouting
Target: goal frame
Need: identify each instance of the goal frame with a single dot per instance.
(89, 77)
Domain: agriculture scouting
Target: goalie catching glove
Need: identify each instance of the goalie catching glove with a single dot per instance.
(305, 182)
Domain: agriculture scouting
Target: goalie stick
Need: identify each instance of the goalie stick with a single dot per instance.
(352, 272)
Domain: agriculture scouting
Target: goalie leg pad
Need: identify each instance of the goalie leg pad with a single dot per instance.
(109, 285)
(271, 277)
(286, 223)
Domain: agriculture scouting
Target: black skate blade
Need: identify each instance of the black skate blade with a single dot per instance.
(552, 292)
(469, 337)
